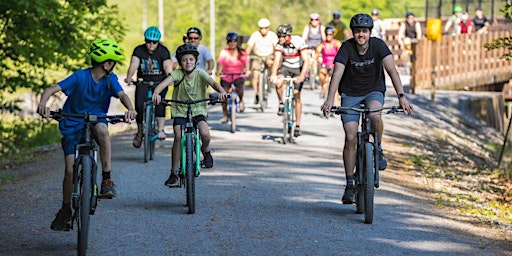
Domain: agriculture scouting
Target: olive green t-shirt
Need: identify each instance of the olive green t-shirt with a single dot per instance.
(189, 89)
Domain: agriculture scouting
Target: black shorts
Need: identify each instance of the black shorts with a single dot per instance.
(291, 72)
(182, 120)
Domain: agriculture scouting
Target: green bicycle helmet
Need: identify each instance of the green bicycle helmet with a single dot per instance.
(102, 50)
(152, 33)
(458, 8)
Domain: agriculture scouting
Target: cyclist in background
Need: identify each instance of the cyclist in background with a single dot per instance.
(192, 84)
(378, 30)
(340, 29)
(451, 25)
(325, 52)
(287, 62)
(205, 59)
(359, 76)
(233, 60)
(88, 91)
(152, 61)
(262, 44)
(313, 34)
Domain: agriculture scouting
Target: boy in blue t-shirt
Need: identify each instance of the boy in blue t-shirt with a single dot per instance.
(89, 91)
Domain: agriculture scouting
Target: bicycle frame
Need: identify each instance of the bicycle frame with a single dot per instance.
(149, 120)
(263, 83)
(289, 117)
(233, 100)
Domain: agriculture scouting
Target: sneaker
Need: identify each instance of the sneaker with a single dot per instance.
(348, 197)
(296, 132)
(172, 181)
(224, 120)
(107, 189)
(207, 160)
(256, 99)
(383, 163)
(280, 109)
(137, 141)
(62, 221)
(242, 106)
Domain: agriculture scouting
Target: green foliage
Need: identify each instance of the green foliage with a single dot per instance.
(19, 135)
(505, 42)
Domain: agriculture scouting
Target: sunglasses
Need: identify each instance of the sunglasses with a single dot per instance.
(329, 34)
(193, 38)
(314, 19)
(232, 41)
(151, 42)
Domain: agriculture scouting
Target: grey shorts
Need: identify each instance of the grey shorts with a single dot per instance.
(351, 101)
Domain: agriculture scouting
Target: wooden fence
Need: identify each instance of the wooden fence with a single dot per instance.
(460, 63)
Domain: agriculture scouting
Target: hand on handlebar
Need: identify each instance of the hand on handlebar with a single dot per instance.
(43, 111)
(130, 115)
(406, 106)
(156, 98)
(128, 81)
(326, 107)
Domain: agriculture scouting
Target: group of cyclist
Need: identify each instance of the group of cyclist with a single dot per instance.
(357, 66)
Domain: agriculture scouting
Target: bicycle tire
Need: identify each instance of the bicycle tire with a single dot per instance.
(359, 184)
(261, 91)
(369, 188)
(147, 132)
(190, 173)
(292, 121)
(312, 78)
(153, 133)
(285, 120)
(234, 107)
(85, 193)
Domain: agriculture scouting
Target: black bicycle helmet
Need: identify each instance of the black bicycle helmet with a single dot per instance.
(186, 49)
(232, 36)
(284, 30)
(329, 28)
(361, 20)
(195, 30)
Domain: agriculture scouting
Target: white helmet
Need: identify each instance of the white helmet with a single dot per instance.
(314, 16)
(264, 23)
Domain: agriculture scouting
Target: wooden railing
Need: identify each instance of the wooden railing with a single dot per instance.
(460, 63)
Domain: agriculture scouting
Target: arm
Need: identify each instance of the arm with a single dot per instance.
(305, 33)
(131, 113)
(42, 109)
(305, 66)
(322, 31)
(210, 64)
(318, 54)
(168, 66)
(337, 74)
(134, 64)
(275, 66)
(160, 87)
(389, 65)
(223, 95)
(418, 31)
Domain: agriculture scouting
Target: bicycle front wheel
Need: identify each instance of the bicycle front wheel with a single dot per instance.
(286, 118)
(85, 192)
(190, 173)
(261, 91)
(147, 131)
(368, 168)
(234, 109)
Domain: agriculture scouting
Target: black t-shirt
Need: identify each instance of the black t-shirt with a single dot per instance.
(151, 65)
(363, 73)
(479, 22)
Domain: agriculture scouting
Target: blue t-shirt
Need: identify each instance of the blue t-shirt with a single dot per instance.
(86, 96)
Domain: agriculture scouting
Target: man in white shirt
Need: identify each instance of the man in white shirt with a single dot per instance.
(261, 44)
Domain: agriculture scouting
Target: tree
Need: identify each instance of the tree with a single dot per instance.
(40, 40)
(505, 42)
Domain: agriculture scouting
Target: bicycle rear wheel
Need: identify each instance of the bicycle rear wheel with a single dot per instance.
(262, 92)
(190, 173)
(85, 192)
(368, 168)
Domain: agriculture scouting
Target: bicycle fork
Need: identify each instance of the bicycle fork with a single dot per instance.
(197, 150)
(360, 142)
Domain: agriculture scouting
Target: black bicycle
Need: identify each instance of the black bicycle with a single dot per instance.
(149, 122)
(190, 148)
(85, 190)
(367, 165)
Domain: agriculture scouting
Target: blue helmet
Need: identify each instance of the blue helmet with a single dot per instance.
(336, 14)
(152, 33)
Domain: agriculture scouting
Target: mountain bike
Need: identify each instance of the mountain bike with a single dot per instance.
(263, 83)
(149, 122)
(367, 165)
(85, 190)
(190, 148)
(233, 101)
(289, 114)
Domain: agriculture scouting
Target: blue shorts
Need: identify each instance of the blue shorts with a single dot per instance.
(72, 136)
(351, 101)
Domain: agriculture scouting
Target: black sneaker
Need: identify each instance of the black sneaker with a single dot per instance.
(256, 99)
(107, 189)
(383, 163)
(172, 181)
(296, 132)
(62, 221)
(348, 197)
(280, 109)
(207, 160)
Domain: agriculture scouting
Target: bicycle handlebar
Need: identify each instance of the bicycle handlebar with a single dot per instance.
(288, 79)
(150, 83)
(88, 118)
(214, 98)
(340, 110)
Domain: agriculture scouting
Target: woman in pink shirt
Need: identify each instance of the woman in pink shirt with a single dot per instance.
(326, 52)
(233, 60)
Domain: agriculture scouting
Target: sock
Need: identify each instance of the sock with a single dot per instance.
(175, 169)
(105, 175)
(350, 180)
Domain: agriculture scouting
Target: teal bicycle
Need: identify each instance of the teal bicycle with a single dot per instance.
(190, 147)
(289, 114)
(149, 123)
